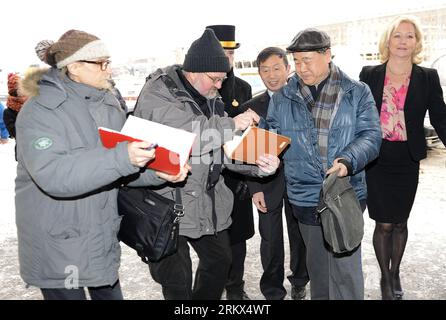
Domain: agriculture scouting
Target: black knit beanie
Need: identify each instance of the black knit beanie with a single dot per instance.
(206, 55)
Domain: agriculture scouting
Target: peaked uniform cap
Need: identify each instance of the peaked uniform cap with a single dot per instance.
(206, 55)
(309, 40)
(226, 35)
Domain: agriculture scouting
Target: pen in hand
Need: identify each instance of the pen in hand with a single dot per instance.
(152, 146)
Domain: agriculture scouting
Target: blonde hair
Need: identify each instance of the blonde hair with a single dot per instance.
(417, 56)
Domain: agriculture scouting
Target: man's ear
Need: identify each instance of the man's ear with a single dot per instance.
(74, 68)
(191, 77)
(328, 55)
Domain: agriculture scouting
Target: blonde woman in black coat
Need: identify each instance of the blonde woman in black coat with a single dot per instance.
(403, 92)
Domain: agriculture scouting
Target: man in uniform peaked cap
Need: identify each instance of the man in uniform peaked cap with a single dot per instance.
(234, 92)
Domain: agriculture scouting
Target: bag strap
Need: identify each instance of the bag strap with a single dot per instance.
(178, 207)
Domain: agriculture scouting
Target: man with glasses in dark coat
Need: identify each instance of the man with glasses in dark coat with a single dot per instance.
(186, 97)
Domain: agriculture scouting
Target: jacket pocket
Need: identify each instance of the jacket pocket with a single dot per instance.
(192, 210)
(66, 220)
(224, 202)
(65, 259)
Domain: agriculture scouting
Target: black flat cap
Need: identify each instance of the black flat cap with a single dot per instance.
(309, 40)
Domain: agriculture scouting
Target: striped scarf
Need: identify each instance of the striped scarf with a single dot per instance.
(322, 109)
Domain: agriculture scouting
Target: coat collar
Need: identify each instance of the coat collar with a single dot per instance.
(53, 90)
(377, 87)
(290, 90)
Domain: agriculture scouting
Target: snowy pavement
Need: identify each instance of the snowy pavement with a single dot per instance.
(423, 269)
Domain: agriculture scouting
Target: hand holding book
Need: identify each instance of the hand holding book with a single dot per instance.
(181, 176)
(139, 153)
(268, 163)
(246, 119)
(254, 143)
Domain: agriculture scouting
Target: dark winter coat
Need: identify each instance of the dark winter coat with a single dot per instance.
(273, 187)
(164, 99)
(9, 118)
(354, 134)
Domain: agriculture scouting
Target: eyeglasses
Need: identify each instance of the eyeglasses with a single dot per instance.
(104, 64)
(216, 80)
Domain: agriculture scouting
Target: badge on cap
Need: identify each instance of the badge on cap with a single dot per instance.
(42, 143)
(235, 103)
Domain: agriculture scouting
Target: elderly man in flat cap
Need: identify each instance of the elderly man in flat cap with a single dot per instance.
(66, 185)
(334, 129)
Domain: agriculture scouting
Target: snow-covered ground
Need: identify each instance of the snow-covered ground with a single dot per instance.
(423, 270)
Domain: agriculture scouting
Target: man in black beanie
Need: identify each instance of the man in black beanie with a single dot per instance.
(186, 97)
(234, 92)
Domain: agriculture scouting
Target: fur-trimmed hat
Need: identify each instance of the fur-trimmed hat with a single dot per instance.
(73, 45)
(206, 55)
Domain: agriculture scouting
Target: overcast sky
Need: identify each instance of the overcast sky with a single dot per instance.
(142, 28)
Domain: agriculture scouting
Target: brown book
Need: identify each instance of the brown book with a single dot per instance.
(253, 143)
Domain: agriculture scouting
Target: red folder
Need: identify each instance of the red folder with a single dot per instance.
(165, 160)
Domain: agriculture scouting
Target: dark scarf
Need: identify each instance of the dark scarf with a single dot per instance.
(208, 106)
(322, 108)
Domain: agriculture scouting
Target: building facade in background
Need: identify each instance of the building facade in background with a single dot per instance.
(354, 44)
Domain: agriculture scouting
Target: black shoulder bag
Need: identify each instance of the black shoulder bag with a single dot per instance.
(150, 222)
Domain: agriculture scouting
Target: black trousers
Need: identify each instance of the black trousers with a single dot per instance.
(235, 281)
(273, 254)
(174, 273)
(96, 293)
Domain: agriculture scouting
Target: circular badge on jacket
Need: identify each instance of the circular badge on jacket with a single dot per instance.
(42, 143)
(235, 103)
